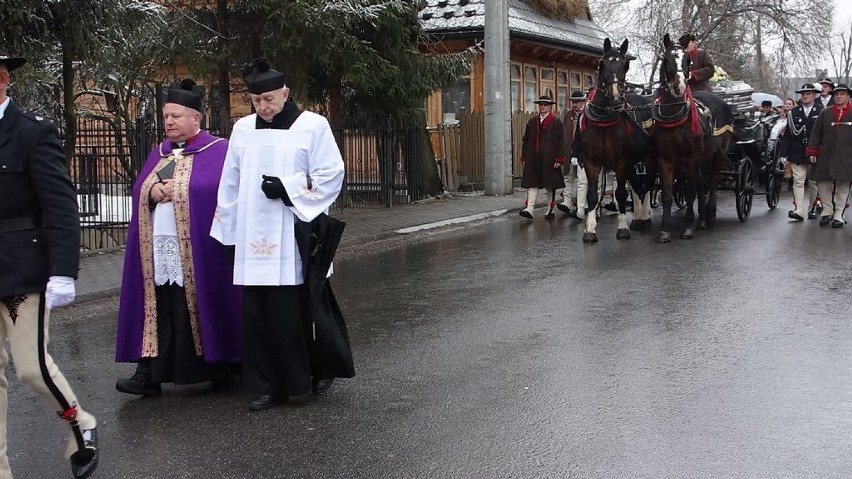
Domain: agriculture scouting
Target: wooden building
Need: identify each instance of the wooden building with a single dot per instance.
(547, 55)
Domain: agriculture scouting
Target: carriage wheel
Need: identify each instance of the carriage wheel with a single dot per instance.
(773, 188)
(744, 188)
(773, 184)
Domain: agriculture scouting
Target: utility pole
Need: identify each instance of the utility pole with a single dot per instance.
(498, 153)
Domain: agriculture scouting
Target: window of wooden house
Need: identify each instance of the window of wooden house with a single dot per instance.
(576, 82)
(546, 87)
(515, 86)
(588, 81)
(563, 90)
(530, 88)
(454, 97)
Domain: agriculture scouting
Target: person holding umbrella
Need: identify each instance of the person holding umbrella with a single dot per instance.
(282, 172)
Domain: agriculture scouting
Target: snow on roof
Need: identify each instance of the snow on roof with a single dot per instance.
(461, 16)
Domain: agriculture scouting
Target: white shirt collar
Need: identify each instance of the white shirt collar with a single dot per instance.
(3, 107)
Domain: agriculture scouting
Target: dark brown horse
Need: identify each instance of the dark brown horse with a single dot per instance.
(611, 139)
(690, 141)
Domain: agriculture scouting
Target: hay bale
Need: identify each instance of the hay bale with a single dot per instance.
(561, 9)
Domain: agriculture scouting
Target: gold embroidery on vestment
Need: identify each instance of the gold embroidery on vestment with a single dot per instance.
(263, 248)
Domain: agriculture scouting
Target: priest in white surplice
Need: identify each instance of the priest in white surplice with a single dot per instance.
(264, 189)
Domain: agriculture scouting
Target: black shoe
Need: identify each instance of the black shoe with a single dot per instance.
(138, 384)
(837, 224)
(795, 216)
(85, 461)
(825, 220)
(549, 215)
(265, 401)
(320, 386)
(563, 208)
(526, 214)
(812, 213)
(611, 206)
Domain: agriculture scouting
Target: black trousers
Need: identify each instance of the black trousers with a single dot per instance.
(176, 361)
(275, 350)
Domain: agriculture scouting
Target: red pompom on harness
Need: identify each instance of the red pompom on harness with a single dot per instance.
(69, 414)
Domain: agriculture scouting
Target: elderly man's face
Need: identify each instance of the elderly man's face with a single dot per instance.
(691, 46)
(270, 103)
(841, 97)
(544, 108)
(579, 104)
(182, 123)
(4, 81)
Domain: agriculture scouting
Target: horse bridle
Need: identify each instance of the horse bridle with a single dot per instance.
(667, 86)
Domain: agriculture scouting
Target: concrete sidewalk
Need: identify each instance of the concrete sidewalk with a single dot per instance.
(100, 273)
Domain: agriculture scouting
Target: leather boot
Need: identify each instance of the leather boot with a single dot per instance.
(85, 461)
(138, 384)
(529, 205)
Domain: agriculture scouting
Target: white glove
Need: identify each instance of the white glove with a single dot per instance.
(575, 161)
(60, 292)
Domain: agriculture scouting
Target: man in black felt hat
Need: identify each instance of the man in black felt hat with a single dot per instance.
(543, 152)
(179, 317)
(830, 149)
(574, 195)
(792, 143)
(39, 260)
(826, 97)
(701, 67)
(283, 167)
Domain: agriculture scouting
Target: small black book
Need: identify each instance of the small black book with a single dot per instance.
(166, 172)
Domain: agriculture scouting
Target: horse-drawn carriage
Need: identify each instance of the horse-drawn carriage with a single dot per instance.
(698, 142)
(752, 159)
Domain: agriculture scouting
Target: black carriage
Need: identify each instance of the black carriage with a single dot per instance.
(753, 168)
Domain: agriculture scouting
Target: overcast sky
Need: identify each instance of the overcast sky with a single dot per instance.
(842, 16)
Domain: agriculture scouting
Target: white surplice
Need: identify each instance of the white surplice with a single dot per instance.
(261, 229)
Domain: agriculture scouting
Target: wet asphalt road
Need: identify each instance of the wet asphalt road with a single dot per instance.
(512, 350)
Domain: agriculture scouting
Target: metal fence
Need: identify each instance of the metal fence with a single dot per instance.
(381, 160)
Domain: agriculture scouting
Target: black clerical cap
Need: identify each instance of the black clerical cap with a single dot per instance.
(261, 78)
(11, 62)
(186, 93)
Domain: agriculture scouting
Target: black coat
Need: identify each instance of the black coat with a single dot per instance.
(794, 137)
(39, 219)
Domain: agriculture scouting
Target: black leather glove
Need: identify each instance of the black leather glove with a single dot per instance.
(274, 189)
(230, 253)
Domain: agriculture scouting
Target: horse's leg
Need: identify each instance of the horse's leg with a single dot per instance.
(701, 196)
(689, 216)
(713, 186)
(666, 180)
(592, 172)
(582, 192)
(621, 201)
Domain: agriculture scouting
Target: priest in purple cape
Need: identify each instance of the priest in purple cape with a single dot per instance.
(180, 314)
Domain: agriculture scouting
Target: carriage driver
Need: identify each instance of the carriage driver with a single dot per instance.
(701, 67)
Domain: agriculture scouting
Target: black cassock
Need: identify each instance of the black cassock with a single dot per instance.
(294, 333)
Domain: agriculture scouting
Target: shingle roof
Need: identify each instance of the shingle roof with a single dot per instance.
(468, 16)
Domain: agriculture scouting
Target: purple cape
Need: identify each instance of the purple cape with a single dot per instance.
(219, 301)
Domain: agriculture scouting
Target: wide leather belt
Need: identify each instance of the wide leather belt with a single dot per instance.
(16, 224)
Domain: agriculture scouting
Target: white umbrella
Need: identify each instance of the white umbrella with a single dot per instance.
(758, 98)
